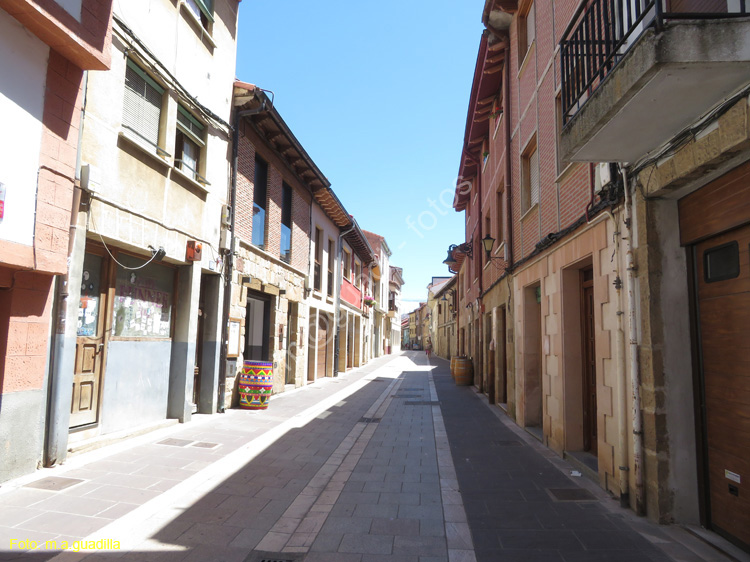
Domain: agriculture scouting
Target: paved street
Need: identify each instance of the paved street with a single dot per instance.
(391, 462)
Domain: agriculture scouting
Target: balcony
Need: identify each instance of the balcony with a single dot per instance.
(635, 73)
(351, 294)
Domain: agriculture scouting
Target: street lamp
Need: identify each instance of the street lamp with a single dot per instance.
(487, 243)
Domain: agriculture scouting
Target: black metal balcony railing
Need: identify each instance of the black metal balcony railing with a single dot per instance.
(602, 31)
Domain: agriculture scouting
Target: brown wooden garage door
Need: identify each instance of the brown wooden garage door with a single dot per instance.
(723, 281)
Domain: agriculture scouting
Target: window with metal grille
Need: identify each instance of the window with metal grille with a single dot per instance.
(141, 114)
(189, 144)
(286, 223)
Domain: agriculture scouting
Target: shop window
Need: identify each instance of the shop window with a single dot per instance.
(721, 262)
(286, 223)
(142, 105)
(190, 145)
(260, 190)
(143, 299)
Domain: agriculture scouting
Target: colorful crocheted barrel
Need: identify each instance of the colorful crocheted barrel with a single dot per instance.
(256, 385)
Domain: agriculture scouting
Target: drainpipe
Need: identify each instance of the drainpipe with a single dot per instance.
(337, 305)
(62, 345)
(238, 116)
(635, 374)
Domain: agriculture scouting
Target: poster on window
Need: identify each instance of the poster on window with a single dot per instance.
(143, 300)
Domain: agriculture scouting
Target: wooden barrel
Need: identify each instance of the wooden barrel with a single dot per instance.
(464, 374)
(256, 385)
(453, 366)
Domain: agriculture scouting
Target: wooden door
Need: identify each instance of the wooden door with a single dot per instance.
(87, 376)
(589, 361)
(723, 293)
(322, 345)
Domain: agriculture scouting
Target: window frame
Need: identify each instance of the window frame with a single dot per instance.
(526, 15)
(318, 262)
(184, 133)
(140, 136)
(529, 164)
(287, 205)
(331, 267)
(264, 164)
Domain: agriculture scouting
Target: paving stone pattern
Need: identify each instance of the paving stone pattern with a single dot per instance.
(389, 463)
(505, 490)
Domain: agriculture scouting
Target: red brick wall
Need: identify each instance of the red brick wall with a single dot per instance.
(245, 178)
(301, 231)
(273, 213)
(277, 174)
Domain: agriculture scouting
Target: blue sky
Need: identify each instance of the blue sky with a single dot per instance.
(377, 94)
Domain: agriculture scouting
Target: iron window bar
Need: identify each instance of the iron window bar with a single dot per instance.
(199, 178)
(598, 36)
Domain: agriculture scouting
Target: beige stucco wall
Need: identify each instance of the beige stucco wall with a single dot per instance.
(148, 201)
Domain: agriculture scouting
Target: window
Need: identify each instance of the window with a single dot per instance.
(347, 256)
(530, 177)
(526, 31)
(721, 262)
(318, 258)
(260, 189)
(189, 144)
(141, 114)
(286, 223)
(499, 232)
(203, 10)
(143, 300)
(357, 274)
(331, 261)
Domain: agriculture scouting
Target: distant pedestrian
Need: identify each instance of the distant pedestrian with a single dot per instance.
(428, 349)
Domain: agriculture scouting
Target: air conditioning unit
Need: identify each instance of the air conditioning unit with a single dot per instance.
(603, 175)
(226, 215)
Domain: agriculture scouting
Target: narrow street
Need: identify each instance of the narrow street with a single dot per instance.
(386, 463)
